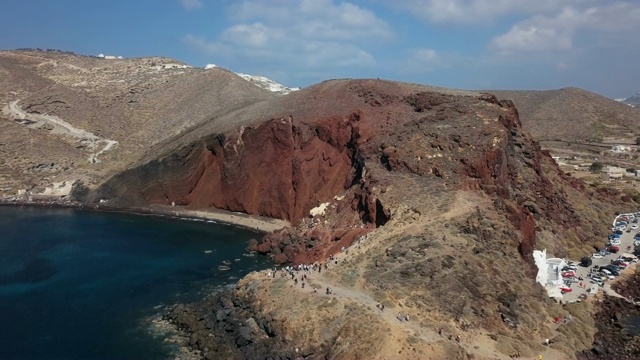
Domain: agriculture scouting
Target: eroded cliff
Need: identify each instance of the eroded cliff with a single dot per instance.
(453, 194)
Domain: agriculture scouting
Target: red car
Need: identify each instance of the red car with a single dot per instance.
(567, 274)
(613, 249)
(564, 289)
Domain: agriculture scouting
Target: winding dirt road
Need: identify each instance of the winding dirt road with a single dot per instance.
(60, 127)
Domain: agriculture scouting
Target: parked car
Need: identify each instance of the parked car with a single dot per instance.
(619, 232)
(634, 226)
(565, 289)
(568, 274)
(605, 271)
(597, 256)
(619, 263)
(586, 261)
(571, 266)
(613, 249)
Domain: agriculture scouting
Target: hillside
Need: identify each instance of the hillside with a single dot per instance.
(68, 117)
(632, 100)
(434, 193)
(431, 200)
(573, 114)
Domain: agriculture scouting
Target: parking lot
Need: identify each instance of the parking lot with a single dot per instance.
(626, 246)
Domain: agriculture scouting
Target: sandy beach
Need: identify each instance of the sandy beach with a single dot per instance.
(258, 223)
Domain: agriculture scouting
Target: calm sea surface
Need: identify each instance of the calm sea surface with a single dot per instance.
(80, 285)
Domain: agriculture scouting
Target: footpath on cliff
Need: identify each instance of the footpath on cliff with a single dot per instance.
(402, 319)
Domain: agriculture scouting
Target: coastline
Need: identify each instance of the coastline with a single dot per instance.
(255, 223)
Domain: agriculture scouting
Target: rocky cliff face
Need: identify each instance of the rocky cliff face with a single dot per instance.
(346, 159)
(453, 192)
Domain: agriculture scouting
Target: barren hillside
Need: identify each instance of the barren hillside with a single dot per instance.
(67, 117)
(452, 194)
(573, 114)
(431, 200)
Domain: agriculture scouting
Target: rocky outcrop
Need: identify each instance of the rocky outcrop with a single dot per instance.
(224, 327)
(346, 156)
(277, 169)
(617, 335)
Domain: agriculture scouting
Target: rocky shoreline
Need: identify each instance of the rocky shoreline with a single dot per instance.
(228, 326)
(613, 339)
(259, 225)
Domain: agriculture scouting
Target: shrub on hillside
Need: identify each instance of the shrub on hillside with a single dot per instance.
(596, 167)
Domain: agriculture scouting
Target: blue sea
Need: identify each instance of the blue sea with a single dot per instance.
(82, 285)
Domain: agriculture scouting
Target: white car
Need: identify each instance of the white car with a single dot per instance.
(634, 226)
(597, 256)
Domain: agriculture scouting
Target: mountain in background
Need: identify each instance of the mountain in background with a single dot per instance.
(572, 114)
(262, 82)
(632, 100)
(66, 116)
(439, 191)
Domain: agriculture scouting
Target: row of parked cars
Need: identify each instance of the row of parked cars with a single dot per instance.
(622, 223)
(599, 274)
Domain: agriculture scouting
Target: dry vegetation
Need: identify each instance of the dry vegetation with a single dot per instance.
(136, 102)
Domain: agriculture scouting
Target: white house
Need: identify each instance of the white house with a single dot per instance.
(620, 148)
(549, 269)
(554, 271)
(612, 172)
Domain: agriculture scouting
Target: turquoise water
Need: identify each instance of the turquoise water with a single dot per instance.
(79, 285)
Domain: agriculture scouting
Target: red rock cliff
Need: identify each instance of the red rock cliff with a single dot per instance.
(349, 140)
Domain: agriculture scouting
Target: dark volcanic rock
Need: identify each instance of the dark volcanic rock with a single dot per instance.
(236, 334)
(615, 339)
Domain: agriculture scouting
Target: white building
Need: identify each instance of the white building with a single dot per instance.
(549, 272)
(554, 271)
(612, 172)
(620, 148)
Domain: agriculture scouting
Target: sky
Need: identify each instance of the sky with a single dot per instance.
(467, 44)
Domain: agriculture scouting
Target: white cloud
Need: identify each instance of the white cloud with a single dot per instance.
(476, 11)
(427, 55)
(313, 18)
(192, 4)
(558, 31)
(424, 60)
(531, 38)
(297, 34)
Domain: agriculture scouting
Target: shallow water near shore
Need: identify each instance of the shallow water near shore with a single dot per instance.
(79, 285)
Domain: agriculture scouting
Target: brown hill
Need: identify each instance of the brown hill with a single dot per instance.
(432, 200)
(573, 114)
(101, 115)
(451, 192)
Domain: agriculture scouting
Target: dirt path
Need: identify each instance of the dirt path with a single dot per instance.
(391, 316)
(60, 127)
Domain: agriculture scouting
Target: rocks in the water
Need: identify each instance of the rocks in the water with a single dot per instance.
(226, 327)
(221, 315)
